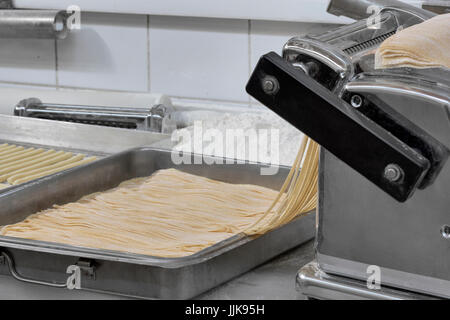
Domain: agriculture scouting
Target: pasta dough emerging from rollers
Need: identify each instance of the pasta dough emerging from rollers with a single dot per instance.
(175, 214)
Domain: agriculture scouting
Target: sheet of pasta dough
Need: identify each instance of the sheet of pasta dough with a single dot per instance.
(424, 45)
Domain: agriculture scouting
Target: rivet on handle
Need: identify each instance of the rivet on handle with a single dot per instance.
(270, 85)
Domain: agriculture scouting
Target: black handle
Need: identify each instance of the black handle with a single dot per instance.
(350, 135)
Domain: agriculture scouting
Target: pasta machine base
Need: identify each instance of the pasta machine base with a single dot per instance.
(315, 283)
(132, 274)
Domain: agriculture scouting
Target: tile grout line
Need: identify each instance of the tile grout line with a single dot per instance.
(148, 54)
(56, 64)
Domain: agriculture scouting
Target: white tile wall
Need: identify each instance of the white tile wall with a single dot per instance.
(27, 60)
(199, 58)
(194, 59)
(109, 52)
(279, 10)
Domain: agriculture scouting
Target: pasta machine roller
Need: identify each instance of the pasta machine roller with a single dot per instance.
(384, 174)
(157, 118)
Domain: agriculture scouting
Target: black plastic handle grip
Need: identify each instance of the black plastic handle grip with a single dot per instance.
(330, 121)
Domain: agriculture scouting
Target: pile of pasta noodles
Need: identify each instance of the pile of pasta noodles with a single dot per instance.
(20, 164)
(173, 213)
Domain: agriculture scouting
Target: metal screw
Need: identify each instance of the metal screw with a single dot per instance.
(445, 231)
(393, 172)
(356, 101)
(270, 85)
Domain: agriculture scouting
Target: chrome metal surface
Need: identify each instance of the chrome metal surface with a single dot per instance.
(357, 224)
(17, 276)
(360, 9)
(298, 50)
(428, 85)
(310, 68)
(322, 52)
(399, 279)
(342, 52)
(74, 136)
(315, 283)
(436, 6)
(360, 226)
(361, 36)
(156, 118)
(356, 101)
(133, 274)
(445, 231)
(33, 24)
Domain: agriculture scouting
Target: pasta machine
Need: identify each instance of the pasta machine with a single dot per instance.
(383, 218)
(158, 118)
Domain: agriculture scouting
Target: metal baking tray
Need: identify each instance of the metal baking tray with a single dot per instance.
(133, 274)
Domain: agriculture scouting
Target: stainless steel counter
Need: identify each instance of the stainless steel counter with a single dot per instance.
(272, 280)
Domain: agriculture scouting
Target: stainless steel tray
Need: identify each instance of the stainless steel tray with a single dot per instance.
(132, 274)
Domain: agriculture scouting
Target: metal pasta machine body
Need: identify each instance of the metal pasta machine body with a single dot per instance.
(384, 174)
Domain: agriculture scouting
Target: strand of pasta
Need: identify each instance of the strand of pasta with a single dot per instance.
(19, 165)
(301, 196)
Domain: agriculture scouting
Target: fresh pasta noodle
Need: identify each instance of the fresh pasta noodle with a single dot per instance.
(10, 149)
(26, 154)
(32, 171)
(70, 163)
(174, 214)
(298, 195)
(19, 164)
(27, 164)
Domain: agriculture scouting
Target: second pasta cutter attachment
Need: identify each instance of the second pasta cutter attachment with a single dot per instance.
(158, 118)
